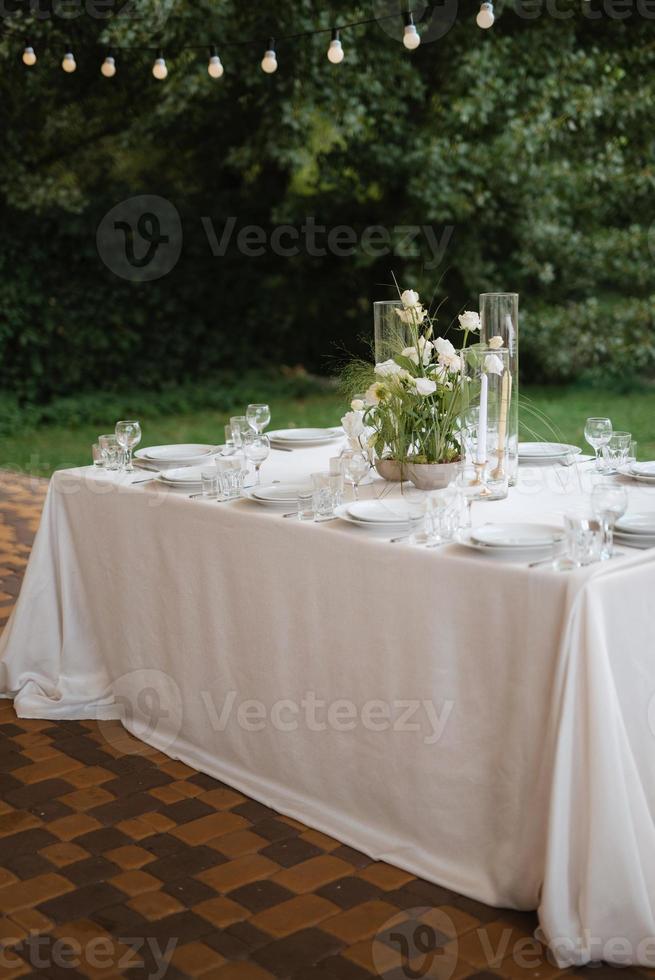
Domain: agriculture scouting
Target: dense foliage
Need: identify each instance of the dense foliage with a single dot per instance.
(532, 143)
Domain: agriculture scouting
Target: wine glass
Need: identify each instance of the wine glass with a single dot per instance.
(468, 485)
(128, 435)
(256, 447)
(258, 417)
(609, 502)
(598, 432)
(355, 468)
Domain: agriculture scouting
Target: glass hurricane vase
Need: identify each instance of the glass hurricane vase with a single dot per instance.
(489, 433)
(499, 317)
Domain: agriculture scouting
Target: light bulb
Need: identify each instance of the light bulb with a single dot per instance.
(108, 67)
(485, 17)
(335, 51)
(68, 64)
(269, 61)
(411, 37)
(29, 57)
(215, 68)
(159, 69)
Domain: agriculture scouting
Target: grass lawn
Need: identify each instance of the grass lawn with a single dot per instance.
(546, 413)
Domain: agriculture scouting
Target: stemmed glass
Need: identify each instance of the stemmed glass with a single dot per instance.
(355, 468)
(256, 447)
(598, 432)
(240, 428)
(258, 417)
(128, 435)
(609, 502)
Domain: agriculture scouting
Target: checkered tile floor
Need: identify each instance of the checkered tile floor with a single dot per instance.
(117, 861)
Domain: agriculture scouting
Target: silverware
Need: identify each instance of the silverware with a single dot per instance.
(193, 495)
(292, 514)
(135, 483)
(282, 449)
(399, 540)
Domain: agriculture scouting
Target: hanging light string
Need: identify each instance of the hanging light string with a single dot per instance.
(269, 64)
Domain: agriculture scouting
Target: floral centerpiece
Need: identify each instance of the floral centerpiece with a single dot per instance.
(411, 410)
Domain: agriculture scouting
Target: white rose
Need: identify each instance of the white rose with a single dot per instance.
(425, 386)
(425, 347)
(413, 314)
(455, 363)
(411, 353)
(352, 424)
(496, 343)
(444, 348)
(469, 321)
(387, 369)
(493, 364)
(358, 405)
(409, 298)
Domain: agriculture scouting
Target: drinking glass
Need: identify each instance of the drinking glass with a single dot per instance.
(258, 417)
(128, 435)
(257, 448)
(583, 541)
(609, 502)
(230, 445)
(231, 475)
(598, 432)
(442, 516)
(416, 502)
(322, 496)
(209, 482)
(355, 468)
(632, 452)
(239, 425)
(615, 453)
(110, 451)
(96, 453)
(336, 474)
(306, 505)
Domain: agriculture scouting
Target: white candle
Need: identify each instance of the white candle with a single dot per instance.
(482, 420)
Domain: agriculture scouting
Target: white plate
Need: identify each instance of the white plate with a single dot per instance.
(637, 523)
(278, 493)
(379, 511)
(641, 477)
(515, 554)
(186, 474)
(167, 454)
(546, 450)
(342, 512)
(517, 535)
(643, 469)
(635, 540)
(294, 437)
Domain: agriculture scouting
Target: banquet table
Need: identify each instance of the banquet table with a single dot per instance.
(480, 723)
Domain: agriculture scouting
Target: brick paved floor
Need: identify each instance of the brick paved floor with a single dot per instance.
(110, 851)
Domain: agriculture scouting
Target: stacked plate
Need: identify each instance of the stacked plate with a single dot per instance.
(546, 452)
(184, 478)
(186, 454)
(644, 472)
(636, 530)
(277, 494)
(375, 515)
(303, 438)
(520, 541)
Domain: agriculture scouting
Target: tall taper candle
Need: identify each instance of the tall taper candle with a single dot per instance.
(482, 419)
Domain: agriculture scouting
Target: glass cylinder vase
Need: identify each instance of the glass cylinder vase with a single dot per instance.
(499, 317)
(489, 434)
(391, 333)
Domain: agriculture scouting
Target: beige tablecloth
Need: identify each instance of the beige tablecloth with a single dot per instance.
(476, 722)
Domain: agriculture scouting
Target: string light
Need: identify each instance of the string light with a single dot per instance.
(215, 68)
(29, 56)
(159, 69)
(411, 37)
(335, 51)
(485, 18)
(69, 64)
(269, 61)
(108, 67)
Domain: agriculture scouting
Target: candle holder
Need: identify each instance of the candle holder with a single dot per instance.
(486, 413)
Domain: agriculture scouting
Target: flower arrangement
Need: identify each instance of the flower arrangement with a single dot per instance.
(411, 410)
